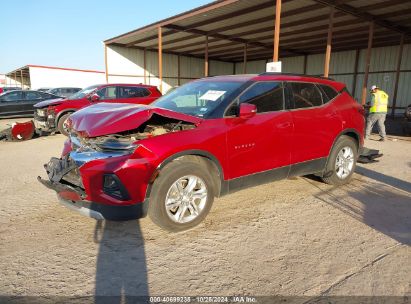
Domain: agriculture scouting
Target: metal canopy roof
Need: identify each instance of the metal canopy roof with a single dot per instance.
(23, 71)
(230, 24)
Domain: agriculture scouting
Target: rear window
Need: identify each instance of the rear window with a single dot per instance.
(132, 92)
(329, 91)
(305, 95)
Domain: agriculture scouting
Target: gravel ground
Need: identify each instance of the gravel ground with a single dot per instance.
(297, 237)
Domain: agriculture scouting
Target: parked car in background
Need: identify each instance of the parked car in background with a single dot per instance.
(205, 139)
(21, 103)
(64, 92)
(7, 89)
(43, 89)
(51, 116)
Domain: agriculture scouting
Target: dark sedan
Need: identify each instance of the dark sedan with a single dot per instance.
(20, 103)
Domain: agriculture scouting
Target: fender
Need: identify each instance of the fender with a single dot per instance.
(202, 153)
(343, 132)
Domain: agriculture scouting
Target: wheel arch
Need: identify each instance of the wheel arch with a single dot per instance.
(210, 161)
(61, 113)
(354, 134)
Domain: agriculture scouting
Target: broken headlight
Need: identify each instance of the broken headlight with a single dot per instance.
(116, 145)
(109, 144)
(41, 112)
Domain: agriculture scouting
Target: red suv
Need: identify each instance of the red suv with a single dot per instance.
(205, 139)
(51, 115)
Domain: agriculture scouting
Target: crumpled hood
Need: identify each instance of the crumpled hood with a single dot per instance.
(109, 118)
(49, 102)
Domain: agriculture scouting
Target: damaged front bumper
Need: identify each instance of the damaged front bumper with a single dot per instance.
(66, 181)
(44, 122)
(71, 198)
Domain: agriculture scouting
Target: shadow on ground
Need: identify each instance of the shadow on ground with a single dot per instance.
(121, 271)
(383, 203)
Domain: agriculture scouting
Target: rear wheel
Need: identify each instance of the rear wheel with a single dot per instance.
(61, 124)
(182, 195)
(341, 162)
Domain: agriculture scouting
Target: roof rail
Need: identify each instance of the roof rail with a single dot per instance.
(294, 74)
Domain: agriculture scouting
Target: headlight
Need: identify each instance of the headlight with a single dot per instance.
(41, 112)
(107, 144)
(116, 145)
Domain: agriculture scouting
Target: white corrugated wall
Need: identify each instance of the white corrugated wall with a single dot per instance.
(56, 77)
(126, 65)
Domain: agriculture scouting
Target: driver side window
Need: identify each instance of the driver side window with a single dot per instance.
(268, 96)
(12, 96)
(107, 93)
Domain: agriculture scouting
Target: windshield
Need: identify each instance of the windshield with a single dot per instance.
(198, 98)
(83, 93)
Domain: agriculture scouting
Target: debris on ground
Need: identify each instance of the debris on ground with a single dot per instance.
(369, 155)
(18, 131)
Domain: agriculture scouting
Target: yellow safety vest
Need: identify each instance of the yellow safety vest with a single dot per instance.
(379, 102)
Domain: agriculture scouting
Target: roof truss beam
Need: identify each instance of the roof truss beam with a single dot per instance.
(364, 15)
(229, 38)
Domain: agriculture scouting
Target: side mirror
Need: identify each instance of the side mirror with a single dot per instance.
(247, 110)
(94, 98)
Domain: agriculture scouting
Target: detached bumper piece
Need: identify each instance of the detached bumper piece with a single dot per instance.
(64, 178)
(18, 131)
(368, 155)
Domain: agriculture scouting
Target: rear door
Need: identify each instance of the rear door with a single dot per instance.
(10, 103)
(30, 99)
(262, 142)
(316, 125)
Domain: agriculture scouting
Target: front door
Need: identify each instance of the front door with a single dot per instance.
(10, 103)
(259, 146)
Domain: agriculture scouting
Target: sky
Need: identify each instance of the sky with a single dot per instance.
(70, 33)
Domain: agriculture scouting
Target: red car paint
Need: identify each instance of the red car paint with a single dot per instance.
(55, 109)
(105, 119)
(239, 146)
(22, 130)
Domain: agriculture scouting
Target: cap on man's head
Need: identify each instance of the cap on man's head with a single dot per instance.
(374, 87)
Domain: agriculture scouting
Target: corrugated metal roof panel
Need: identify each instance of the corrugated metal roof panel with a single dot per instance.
(238, 26)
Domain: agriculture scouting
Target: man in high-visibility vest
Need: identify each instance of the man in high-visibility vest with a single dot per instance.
(378, 112)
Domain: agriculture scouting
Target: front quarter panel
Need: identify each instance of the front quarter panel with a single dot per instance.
(209, 137)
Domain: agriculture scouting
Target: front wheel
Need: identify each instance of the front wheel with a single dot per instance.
(61, 125)
(341, 162)
(181, 196)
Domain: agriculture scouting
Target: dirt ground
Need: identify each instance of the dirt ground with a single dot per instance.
(293, 237)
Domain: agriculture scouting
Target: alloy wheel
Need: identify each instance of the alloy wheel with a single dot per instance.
(186, 199)
(344, 162)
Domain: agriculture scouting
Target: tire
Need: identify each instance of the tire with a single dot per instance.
(341, 161)
(170, 185)
(60, 124)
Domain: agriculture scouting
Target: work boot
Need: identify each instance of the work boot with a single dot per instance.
(382, 139)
